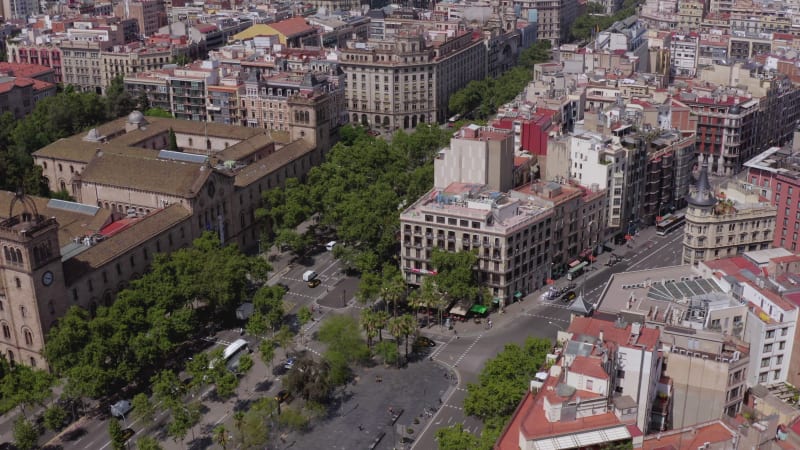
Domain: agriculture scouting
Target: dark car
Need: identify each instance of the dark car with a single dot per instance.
(570, 295)
(423, 341)
(127, 433)
(314, 283)
(283, 396)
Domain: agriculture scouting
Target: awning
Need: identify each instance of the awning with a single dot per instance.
(517, 294)
(458, 310)
(478, 309)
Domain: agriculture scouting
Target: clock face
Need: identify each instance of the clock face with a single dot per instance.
(211, 189)
(47, 278)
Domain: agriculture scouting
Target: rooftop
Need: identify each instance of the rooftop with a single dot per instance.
(691, 438)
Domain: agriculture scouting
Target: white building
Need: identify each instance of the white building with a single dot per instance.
(683, 51)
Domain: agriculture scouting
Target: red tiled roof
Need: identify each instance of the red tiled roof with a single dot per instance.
(690, 438)
(591, 367)
(620, 336)
(24, 70)
(292, 27)
(206, 27)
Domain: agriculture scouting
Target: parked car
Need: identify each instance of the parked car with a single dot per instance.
(314, 283)
(288, 364)
(423, 341)
(283, 396)
(121, 408)
(127, 433)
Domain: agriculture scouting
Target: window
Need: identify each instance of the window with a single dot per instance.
(6, 331)
(18, 282)
(776, 375)
(767, 348)
(588, 384)
(762, 377)
(23, 311)
(781, 345)
(779, 360)
(764, 362)
(28, 337)
(770, 334)
(784, 331)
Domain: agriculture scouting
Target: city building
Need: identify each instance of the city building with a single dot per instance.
(399, 82)
(134, 201)
(598, 392)
(703, 341)
(775, 174)
(22, 86)
(554, 18)
(19, 9)
(149, 14)
(726, 223)
(683, 52)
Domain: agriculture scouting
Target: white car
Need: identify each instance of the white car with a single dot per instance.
(329, 246)
(121, 408)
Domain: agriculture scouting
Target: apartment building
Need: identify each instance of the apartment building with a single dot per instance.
(466, 210)
(122, 60)
(598, 392)
(690, 15)
(703, 341)
(24, 85)
(19, 9)
(149, 14)
(765, 282)
(729, 222)
(399, 82)
(775, 174)
(683, 51)
(726, 129)
(554, 18)
(531, 126)
(670, 158)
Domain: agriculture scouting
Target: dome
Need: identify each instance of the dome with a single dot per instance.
(136, 118)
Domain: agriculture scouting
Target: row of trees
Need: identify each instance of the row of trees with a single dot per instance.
(594, 19)
(501, 386)
(174, 302)
(53, 118)
(480, 99)
(359, 190)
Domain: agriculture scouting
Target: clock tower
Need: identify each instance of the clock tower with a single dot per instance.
(32, 288)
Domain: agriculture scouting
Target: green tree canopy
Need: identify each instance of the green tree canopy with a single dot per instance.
(456, 438)
(342, 335)
(456, 276)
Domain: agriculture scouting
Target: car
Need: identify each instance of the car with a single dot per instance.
(423, 341)
(570, 295)
(121, 408)
(283, 396)
(127, 433)
(314, 283)
(329, 246)
(288, 364)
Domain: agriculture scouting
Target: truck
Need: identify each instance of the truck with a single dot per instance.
(309, 275)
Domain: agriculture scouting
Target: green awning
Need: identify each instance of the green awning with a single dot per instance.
(517, 294)
(478, 309)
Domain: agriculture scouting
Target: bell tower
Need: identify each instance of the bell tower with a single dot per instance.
(309, 113)
(33, 292)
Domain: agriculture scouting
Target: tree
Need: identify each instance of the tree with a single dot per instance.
(408, 327)
(255, 427)
(143, 102)
(293, 420)
(158, 112)
(342, 335)
(267, 351)
(26, 435)
(386, 351)
(456, 438)
(147, 443)
(26, 386)
(298, 243)
(393, 286)
(283, 338)
(115, 432)
(456, 274)
(184, 418)
(304, 316)
(381, 321)
(55, 417)
(369, 323)
(221, 436)
(309, 380)
(173, 141)
(118, 100)
(537, 53)
(245, 363)
(143, 408)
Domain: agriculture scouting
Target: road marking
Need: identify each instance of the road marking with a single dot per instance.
(468, 349)
(542, 316)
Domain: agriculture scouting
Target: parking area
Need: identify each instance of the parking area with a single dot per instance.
(372, 408)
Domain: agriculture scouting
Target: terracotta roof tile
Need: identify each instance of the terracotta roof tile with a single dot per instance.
(648, 337)
(292, 27)
(690, 438)
(588, 366)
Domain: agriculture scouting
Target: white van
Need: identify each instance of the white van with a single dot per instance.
(309, 275)
(329, 246)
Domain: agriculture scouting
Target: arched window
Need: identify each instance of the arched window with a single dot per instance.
(33, 361)
(18, 282)
(6, 331)
(28, 337)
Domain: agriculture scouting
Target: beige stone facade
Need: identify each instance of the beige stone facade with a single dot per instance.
(728, 224)
(135, 202)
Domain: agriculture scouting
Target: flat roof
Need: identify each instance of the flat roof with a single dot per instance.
(615, 298)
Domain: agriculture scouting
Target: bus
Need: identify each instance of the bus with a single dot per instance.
(576, 270)
(234, 349)
(669, 223)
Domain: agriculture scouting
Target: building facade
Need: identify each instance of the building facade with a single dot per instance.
(776, 175)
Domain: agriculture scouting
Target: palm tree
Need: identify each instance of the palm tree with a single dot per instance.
(417, 301)
(409, 326)
(397, 329)
(434, 298)
(393, 288)
(369, 323)
(381, 319)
